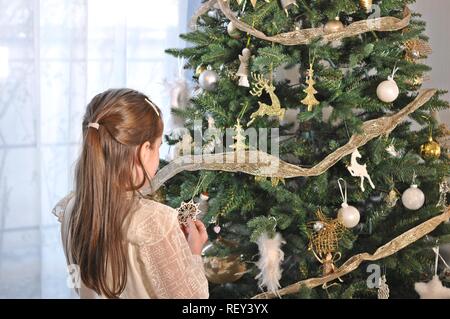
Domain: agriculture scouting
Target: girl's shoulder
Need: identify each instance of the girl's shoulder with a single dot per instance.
(150, 222)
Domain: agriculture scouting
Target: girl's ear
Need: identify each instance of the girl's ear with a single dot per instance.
(145, 151)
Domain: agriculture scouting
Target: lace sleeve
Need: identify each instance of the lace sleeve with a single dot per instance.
(61, 206)
(168, 267)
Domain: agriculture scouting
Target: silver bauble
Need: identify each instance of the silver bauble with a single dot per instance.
(208, 80)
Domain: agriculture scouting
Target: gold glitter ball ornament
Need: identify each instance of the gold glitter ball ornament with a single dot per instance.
(430, 149)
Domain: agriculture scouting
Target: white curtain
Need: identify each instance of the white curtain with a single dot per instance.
(55, 55)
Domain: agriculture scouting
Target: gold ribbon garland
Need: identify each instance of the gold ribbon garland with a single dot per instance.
(259, 163)
(305, 36)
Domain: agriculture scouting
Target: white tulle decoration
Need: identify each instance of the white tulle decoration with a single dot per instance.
(269, 261)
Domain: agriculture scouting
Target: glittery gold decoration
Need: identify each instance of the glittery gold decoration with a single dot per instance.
(416, 49)
(430, 149)
(310, 100)
(262, 84)
(391, 198)
(388, 249)
(325, 240)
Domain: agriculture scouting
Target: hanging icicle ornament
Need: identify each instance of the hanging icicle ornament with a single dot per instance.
(383, 288)
(359, 170)
(347, 215)
(243, 71)
(434, 288)
(413, 198)
(269, 263)
(388, 91)
(310, 100)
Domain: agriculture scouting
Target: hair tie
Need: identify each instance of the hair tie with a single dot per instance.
(153, 106)
(94, 125)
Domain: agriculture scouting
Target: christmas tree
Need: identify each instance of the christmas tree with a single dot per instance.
(364, 178)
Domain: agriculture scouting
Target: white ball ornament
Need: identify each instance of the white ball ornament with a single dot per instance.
(348, 215)
(413, 198)
(387, 91)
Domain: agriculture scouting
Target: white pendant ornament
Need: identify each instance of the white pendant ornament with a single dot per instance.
(243, 71)
(347, 215)
(388, 91)
(383, 288)
(269, 263)
(413, 198)
(217, 229)
(208, 80)
(434, 288)
(358, 170)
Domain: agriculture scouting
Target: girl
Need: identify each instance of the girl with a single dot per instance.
(125, 246)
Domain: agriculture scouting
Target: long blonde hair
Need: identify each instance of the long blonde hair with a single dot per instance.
(103, 178)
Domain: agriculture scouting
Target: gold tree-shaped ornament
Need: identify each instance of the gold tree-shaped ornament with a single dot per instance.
(310, 100)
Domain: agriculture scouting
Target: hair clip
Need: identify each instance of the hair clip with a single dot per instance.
(94, 125)
(153, 106)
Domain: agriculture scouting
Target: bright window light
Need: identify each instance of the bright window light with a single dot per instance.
(4, 62)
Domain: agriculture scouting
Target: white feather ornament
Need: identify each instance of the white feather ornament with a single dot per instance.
(269, 262)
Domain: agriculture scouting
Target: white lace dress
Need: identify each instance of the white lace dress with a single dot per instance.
(160, 263)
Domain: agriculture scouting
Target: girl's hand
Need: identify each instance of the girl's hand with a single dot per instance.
(196, 236)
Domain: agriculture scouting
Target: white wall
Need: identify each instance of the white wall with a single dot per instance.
(436, 15)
